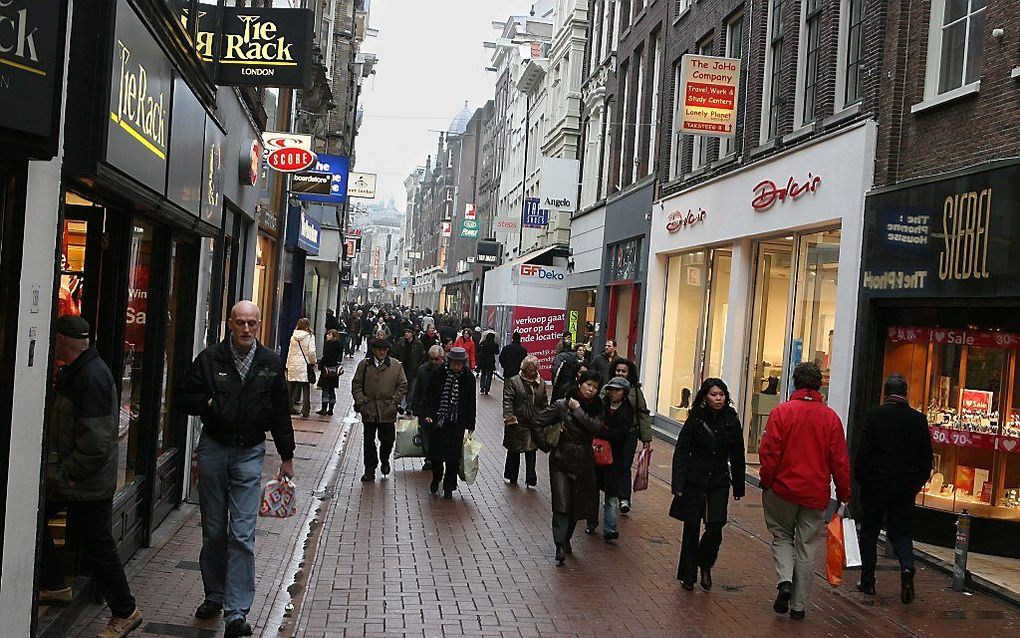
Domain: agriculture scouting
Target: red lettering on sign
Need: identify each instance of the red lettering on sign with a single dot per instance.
(767, 192)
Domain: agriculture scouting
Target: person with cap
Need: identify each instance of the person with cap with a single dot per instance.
(239, 390)
(641, 428)
(418, 403)
(378, 387)
(524, 398)
(616, 424)
(449, 409)
(82, 475)
(708, 458)
(511, 356)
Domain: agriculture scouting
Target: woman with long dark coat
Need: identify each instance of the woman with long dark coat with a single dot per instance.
(488, 349)
(572, 460)
(450, 411)
(330, 369)
(708, 458)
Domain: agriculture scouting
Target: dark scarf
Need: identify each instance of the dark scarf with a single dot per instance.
(449, 400)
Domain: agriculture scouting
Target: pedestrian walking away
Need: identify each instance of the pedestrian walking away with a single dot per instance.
(802, 452)
(301, 360)
(707, 460)
(524, 397)
(82, 476)
(378, 387)
(419, 399)
(641, 428)
(488, 349)
(330, 368)
(238, 388)
(616, 426)
(894, 461)
(450, 409)
(571, 459)
(511, 356)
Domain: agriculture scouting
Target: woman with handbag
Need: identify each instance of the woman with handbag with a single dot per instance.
(330, 369)
(612, 471)
(449, 410)
(301, 366)
(641, 428)
(708, 458)
(566, 430)
(524, 398)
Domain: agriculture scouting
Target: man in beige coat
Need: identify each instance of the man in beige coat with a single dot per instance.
(378, 387)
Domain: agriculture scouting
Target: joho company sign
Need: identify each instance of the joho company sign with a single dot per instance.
(709, 92)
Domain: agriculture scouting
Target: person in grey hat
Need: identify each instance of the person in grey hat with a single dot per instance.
(449, 409)
(82, 475)
(610, 478)
(378, 387)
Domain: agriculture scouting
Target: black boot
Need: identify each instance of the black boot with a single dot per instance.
(323, 411)
(330, 410)
(706, 579)
(907, 586)
(560, 554)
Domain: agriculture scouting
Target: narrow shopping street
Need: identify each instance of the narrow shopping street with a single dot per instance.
(389, 559)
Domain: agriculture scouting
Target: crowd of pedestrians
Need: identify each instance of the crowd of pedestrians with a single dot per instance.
(590, 420)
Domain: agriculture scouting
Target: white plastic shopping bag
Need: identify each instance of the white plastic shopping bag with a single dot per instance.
(469, 458)
(279, 498)
(851, 548)
(408, 443)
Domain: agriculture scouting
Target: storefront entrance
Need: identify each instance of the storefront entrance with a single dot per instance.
(581, 315)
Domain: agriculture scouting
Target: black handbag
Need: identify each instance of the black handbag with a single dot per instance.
(310, 367)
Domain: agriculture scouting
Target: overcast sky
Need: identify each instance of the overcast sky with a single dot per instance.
(431, 60)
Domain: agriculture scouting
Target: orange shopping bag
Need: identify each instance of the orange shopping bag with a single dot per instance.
(836, 552)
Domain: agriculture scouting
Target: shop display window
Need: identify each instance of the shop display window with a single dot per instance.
(966, 382)
(132, 380)
(72, 267)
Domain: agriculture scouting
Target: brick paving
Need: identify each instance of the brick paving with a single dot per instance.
(166, 581)
(395, 561)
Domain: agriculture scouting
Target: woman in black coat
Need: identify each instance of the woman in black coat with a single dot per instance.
(449, 408)
(575, 495)
(486, 354)
(618, 419)
(708, 458)
(330, 369)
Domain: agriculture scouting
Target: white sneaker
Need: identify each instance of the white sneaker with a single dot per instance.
(624, 506)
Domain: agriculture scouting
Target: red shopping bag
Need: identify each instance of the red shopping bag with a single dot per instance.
(643, 462)
(279, 499)
(836, 552)
(603, 452)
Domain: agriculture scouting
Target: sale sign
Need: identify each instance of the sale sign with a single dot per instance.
(709, 95)
(540, 330)
(960, 438)
(979, 401)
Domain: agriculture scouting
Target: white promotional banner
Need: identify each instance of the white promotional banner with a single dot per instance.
(361, 185)
(558, 190)
(709, 95)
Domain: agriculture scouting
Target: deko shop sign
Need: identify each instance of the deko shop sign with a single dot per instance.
(140, 102)
(538, 275)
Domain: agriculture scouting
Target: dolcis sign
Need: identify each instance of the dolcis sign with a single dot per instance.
(767, 192)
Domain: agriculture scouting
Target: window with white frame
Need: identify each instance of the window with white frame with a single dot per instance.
(734, 49)
(653, 117)
(682, 5)
(809, 52)
(853, 56)
(625, 119)
(771, 98)
(617, 25)
(699, 154)
(676, 138)
(954, 45)
(640, 129)
(606, 150)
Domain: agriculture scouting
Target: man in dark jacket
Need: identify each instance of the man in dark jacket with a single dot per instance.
(238, 389)
(378, 387)
(603, 364)
(332, 323)
(511, 357)
(82, 474)
(893, 463)
(408, 351)
(564, 344)
(419, 400)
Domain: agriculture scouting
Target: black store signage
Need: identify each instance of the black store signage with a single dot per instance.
(187, 142)
(32, 34)
(212, 173)
(140, 102)
(955, 237)
(489, 252)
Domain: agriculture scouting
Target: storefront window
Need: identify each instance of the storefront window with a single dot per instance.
(769, 333)
(722, 264)
(164, 437)
(966, 382)
(686, 284)
(815, 310)
(581, 315)
(72, 267)
(136, 319)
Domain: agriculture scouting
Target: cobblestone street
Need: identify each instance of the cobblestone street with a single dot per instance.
(389, 559)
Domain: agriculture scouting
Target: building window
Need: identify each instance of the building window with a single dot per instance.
(700, 155)
(954, 44)
(624, 126)
(854, 40)
(639, 111)
(677, 146)
(607, 151)
(654, 110)
(734, 49)
(809, 64)
(773, 72)
(682, 6)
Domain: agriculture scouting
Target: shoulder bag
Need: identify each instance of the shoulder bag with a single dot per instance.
(308, 366)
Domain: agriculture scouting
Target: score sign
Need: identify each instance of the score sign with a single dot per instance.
(709, 92)
(288, 152)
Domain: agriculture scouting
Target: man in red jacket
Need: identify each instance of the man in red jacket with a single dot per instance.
(804, 445)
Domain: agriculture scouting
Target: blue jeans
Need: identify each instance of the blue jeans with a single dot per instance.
(610, 512)
(485, 380)
(228, 486)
